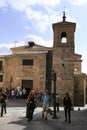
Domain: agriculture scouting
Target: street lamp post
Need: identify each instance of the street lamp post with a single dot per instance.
(54, 96)
(10, 87)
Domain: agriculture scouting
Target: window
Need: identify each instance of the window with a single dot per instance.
(27, 62)
(0, 65)
(75, 69)
(63, 37)
(1, 78)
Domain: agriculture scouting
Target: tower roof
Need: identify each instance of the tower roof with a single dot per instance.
(64, 22)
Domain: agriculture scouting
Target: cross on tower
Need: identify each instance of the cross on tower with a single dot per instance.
(64, 17)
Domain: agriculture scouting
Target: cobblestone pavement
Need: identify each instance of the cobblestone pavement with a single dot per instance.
(15, 119)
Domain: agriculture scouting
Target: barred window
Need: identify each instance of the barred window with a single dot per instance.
(1, 78)
(0, 65)
(27, 61)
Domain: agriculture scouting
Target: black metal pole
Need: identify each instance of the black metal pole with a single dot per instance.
(10, 90)
(54, 80)
(10, 87)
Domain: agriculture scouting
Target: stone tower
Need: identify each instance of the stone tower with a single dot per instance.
(63, 56)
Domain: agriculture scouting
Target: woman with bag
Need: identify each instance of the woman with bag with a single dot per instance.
(30, 103)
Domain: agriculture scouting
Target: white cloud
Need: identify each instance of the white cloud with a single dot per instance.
(84, 61)
(3, 4)
(18, 43)
(78, 2)
(22, 4)
(26, 27)
(5, 48)
(50, 3)
(43, 20)
(38, 40)
(84, 66)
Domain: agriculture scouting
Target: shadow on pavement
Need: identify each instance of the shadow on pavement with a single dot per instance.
(79, 122)
(38, 123)
(16, 103)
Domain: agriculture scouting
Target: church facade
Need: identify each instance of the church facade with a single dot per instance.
(31, 66)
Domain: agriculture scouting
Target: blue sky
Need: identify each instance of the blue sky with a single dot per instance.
(25, 20)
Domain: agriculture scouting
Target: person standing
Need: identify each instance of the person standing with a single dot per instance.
(30, 104)
(67, 107)
(24, 93)
(3, 100)
(45, 104)
(12, 94)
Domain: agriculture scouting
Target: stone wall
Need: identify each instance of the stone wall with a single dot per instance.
(15, 69)
(79, 89)
(64, 69)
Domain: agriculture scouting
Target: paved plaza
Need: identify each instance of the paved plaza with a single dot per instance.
(15, 119)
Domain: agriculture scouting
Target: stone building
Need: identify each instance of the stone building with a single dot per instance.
(25, 68)
(66, 63)
(30, 66)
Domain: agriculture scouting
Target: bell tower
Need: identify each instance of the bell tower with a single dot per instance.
(64, 34)
(63, 53)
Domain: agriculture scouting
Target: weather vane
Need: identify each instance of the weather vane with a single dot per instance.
(64, 17)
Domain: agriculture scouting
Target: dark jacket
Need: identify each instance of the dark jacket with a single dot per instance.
(2, 99)
(31, 103)
(67, 102)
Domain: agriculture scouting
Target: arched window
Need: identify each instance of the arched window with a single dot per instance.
(63, 37)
